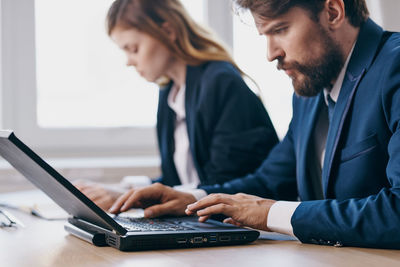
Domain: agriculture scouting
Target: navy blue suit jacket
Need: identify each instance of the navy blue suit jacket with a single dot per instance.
(229, 130)
(361, 171)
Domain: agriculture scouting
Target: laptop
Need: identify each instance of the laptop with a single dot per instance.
(89, 222)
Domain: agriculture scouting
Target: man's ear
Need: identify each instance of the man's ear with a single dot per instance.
(335, 13)
(166, 27)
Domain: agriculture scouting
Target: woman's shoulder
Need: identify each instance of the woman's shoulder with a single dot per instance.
(217, 72)
(215, 68)
(213, 74)
(221, 80)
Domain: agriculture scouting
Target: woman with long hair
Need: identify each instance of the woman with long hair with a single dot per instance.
(210, 126)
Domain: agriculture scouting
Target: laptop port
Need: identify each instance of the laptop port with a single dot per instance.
(197, 240)
(181, 240)
(224, 238)
(212, 238)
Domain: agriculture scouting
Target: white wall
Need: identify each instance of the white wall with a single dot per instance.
(385, 13)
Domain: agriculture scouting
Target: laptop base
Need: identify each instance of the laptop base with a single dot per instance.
(139, 241)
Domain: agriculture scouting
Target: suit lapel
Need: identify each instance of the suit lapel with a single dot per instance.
(193, 80)
(364, 51)
(166, 127)
(336, 125)
(190, 97)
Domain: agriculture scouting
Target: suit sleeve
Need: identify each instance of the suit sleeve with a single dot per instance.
(275, 178)
(364, 222)
(241, 131)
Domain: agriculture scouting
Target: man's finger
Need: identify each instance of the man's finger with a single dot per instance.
(210, 200)
(232, 221)
(204, 218)
(221, 208)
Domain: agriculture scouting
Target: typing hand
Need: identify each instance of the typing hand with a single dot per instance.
(156, 199)
(100, 194)
(242, 209)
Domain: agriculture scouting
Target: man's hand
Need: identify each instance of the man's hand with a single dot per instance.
(242, 209)
(156, 199)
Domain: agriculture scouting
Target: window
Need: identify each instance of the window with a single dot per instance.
(66, 86)
(78, 66)
(82, 79)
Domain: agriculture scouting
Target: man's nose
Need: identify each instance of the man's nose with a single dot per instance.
(274, 51)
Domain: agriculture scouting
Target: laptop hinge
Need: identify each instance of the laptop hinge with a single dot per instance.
(97, 239)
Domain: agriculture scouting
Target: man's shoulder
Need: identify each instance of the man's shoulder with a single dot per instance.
(387, 60)
(391, 45)
(394, 38)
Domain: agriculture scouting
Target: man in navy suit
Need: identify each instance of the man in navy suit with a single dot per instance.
(335, 178)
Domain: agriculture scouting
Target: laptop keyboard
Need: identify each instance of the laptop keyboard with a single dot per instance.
(144, 224)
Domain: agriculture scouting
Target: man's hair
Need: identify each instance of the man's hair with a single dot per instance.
(356, 10)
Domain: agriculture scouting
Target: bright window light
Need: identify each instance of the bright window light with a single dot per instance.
(82, 77)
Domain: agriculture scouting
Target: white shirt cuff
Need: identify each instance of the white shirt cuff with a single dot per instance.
(197, 193)
(280, 215)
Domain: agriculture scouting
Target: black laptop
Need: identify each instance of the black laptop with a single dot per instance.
(91, 223)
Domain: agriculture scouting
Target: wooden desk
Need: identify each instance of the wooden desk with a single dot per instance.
(45, 243)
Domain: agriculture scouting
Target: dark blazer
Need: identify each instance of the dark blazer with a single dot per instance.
(361, 172)
(229, 130)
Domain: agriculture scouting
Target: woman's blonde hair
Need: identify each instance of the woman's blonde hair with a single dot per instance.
(194, 44)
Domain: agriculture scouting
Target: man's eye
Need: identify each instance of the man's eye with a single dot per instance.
(280, 30)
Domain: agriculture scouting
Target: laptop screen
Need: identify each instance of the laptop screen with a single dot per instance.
(47, 179)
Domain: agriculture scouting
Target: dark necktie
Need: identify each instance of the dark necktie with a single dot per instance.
(320, 142)
(331, 107)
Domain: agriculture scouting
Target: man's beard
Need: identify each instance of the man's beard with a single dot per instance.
(318, 73)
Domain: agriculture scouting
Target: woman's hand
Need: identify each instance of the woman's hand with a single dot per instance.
(101, 194)
(156, 200)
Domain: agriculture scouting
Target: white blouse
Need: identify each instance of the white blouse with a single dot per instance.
(183, 157)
